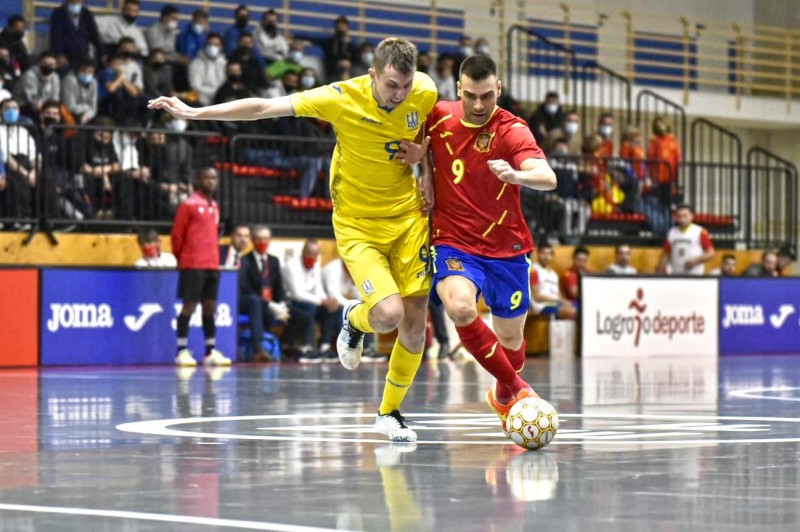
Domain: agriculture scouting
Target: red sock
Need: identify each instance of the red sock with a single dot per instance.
(481, 341)
(517, 360)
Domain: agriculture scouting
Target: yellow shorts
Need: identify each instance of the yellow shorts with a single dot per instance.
(385, 256)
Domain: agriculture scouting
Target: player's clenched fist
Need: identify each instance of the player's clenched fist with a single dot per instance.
(503, 171)
(172, 105)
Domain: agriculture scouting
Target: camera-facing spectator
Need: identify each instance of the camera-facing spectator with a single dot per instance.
(241, 24)
(119, 96)
(100, 166)
(545, 287)
(152, 256)
(728, 266)
(158, 74)
(72, 30)
(207, 70)
(270, 42)
(366, 54)
(605, 129)
(622, 261)
(114, 28)
(21, 160)
(79, 92)
(192, 37)
(163, 34)
(547, 117)
(308, 301)
(37, 85)
(767, 267)
(786, 256)
(687, 247)
(444, 77)
(338, 46)
(665, 150)
(570, 281)
(253, 74)
(12, 39)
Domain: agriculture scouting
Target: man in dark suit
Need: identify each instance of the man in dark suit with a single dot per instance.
(261, 293)
(72, 30)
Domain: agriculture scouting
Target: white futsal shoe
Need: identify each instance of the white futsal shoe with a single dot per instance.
(185, 359)
(350, 342)
(393, 425)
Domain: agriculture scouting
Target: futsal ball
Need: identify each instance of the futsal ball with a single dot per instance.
(532, 423)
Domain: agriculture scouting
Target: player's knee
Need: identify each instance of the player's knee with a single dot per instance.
(462, 311)
(385, 316)
(511, 341)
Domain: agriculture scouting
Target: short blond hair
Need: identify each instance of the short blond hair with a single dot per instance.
(398, 53)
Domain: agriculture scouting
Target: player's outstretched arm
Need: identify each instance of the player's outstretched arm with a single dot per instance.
(244, 109)
(533, 173)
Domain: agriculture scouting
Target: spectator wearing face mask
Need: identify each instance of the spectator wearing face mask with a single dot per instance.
(11, 38)
(233, 88)
(72, 30)
(444, 78)
(241, 24)
(252, 64)
(466, 48)
(294, 62)
(338, 46)
(572, 133)
(192, 37)
(170, 159)
(163, 34)
(113, 28)
(309, 302)
(207, 70)
(158, 74)
(482, 47)
(64, 197)
(39, 84)
(21, 161)
(79, 92)
(120, 89)
(605, 128)
(270, 43)
(99, 166)
(547, 117)
(365, 57)
(152, 256)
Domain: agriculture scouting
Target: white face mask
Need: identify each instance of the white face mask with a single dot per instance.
(571, 128)
(296, 56)
(307, 82)
(178, 125)
(484, 50)
(367, 58)
(551, 108)
(606, 131)
(467, 51)
(212, 51)
(172, 25)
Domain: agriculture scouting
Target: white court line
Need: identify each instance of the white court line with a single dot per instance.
(164, 518)
(713, 496)
(754, 393)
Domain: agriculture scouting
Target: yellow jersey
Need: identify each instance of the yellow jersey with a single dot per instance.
(367, 181)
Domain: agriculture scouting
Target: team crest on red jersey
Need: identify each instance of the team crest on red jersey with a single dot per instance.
(454, 265)
(484, 142)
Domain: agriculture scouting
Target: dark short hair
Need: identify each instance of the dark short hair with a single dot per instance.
(552, 94)
(103, 121)
(240, 7)
(580, 249)
(168, 10)
(341, 18)
(126, 2)
(13, 19)
(684, 206)
(214, 35)
(147, 235)
(478, 67)
(51, 103)
(728, 256)
(46, 54)
(545, 245)
(200, 14)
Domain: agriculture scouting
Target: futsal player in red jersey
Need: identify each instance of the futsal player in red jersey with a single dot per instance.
(481, 155)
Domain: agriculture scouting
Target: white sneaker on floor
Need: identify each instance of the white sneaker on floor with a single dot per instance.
(389, 454)
(185, 358)
(216, 358)
(393, 425)
(350, 342)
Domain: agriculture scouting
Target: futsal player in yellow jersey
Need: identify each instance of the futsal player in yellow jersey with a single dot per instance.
(381, 231)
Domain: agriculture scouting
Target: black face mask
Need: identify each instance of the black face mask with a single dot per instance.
(130, 19)
(242, 22)
(157, 65)
(49, 120)
(234, 78)
(341, 33)
(289, 89)
(46, 70)
(270, 28)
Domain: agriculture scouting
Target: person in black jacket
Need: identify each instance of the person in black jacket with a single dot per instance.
(72, 30)
(338, 46)
(261, 293)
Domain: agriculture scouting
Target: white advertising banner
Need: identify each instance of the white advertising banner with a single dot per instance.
(646, 316)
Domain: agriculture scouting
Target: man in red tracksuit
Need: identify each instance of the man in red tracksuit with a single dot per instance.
(195, 245)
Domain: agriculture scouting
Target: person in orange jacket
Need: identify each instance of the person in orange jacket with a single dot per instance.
(664, 154)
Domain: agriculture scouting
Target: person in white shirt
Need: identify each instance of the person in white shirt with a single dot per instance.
(152, 256)
(307, 299)
(112, 28)
(270, 42)
(207, 70)
(546, 297)
(622, 261)
(687, 247)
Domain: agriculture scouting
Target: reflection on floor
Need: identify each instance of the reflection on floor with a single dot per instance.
(675, 444)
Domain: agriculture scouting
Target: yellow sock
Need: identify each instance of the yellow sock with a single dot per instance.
(403, 365)
(359, 318)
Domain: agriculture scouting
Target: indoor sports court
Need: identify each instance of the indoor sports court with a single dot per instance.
(671, 444)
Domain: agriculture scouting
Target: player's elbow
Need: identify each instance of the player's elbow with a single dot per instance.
(549, 179)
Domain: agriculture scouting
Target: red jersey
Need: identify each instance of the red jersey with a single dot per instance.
(195, 234)
(474, 211)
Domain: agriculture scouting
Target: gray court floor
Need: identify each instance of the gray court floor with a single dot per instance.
(672, 444)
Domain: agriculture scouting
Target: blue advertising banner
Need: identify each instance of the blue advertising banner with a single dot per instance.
(759, 315)
(124, 317)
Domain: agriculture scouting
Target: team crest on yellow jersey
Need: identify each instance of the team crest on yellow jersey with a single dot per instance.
(412, 119)
(484, 142)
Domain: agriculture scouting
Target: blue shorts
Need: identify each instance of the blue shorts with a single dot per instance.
(504, 283)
